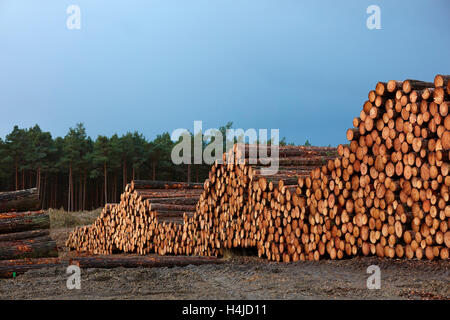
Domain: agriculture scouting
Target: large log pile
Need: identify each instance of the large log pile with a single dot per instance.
(385, 194)
(24, 234)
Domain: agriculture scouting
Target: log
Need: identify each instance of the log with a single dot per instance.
(150, 184)
(24, 235)
(170, 207)
(146, 262)
(287, 151)
(29, 248)
(409, 85)
(187, 200)
(23, 221)
(441, 80)
(21, 200)
(12, 268)
(393, 85)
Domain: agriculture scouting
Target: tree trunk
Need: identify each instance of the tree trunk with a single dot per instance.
(38, 181)
(17, 175)
(70, 184)
(124, 174)
(72, 192)
(115, 188)
(154, 170)
(55, 199)
(84, 191)
(106, 185)
(149, 184)
(44, 191)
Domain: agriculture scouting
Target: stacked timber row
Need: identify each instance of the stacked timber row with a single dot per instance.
(24, 229)
(193, 219)
(243, 208)
(146, 218)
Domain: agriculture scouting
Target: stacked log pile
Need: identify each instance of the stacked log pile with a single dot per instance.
(24, 229)
(385, 193)
(148, 213)
(195, 219)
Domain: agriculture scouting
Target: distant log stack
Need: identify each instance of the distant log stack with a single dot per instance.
(142, 221)
(386, 193)
(24, 229)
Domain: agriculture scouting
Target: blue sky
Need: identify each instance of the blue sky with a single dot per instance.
(304, 67)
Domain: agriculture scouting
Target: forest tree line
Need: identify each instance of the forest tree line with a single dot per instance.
(75, 172)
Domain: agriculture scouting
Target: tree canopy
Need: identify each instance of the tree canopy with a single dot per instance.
(77, 172)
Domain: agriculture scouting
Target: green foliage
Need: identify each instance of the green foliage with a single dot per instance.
(31, 156)
(307, 144)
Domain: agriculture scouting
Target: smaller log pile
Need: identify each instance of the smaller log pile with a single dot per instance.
(24, 229)
(148, 216)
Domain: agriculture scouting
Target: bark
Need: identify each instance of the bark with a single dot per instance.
(24, 235)
(106, 182)
(149, 184)
(17, 175)
(30, 248)
(12, 268)
(22, 200)
(148, 262)
(23, 221)
(171, 207)
(69, 191)
(124, 173)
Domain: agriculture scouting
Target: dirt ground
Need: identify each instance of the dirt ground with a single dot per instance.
(239, 278)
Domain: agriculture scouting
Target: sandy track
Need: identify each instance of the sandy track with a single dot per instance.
(238, 278)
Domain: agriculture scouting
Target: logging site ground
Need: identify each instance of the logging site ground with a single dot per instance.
(241, 277)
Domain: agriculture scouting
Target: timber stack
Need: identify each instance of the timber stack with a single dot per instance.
(24, 228)
(386, 193)
(195, 219)
(148, 212)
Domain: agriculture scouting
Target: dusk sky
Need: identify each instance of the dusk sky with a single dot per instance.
(304, 67)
